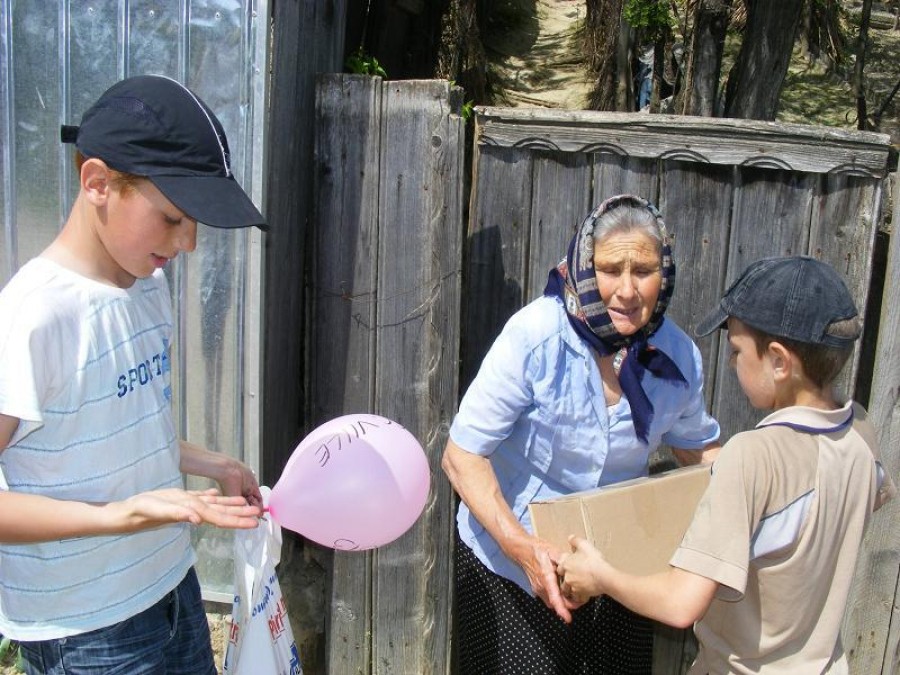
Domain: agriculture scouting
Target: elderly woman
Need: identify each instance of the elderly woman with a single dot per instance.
(576, 392)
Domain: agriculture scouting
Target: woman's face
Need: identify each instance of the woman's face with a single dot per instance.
(629, 276)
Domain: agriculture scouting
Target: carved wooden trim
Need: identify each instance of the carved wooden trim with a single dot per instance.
(735, 142)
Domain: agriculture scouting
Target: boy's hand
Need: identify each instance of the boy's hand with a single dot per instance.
(240, 480)
(164, 507)
(581, 572)
(234, 477)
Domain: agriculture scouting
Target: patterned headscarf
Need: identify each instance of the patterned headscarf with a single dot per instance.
(574, 281)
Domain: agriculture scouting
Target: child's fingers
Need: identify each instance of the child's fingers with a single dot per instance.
(582, 545)
(575, 541)
(206, 492)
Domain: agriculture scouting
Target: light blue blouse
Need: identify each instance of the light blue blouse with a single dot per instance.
(537, 410)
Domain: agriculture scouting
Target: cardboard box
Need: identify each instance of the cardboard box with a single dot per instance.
(637, 524)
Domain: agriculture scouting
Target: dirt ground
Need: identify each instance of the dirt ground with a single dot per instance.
(537, 60)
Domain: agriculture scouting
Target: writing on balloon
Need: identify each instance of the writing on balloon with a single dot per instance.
(344, 545)
(347, 435)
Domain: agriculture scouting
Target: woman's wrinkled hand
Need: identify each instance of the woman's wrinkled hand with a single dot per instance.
(538, 560)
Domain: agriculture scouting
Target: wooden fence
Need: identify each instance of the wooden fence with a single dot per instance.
(384, 338)
(407, 294)
(731, 191)
(871, 632)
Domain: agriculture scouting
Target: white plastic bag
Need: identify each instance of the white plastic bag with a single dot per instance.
(261, 641)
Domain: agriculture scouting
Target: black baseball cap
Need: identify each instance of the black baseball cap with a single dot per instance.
(795, 297)
(155, 127)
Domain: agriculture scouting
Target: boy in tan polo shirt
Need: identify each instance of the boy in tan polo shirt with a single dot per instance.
(765, 568)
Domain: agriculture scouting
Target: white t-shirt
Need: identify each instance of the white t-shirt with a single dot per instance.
(85, 368)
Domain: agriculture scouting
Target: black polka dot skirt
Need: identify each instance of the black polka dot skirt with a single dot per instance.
(502, 630)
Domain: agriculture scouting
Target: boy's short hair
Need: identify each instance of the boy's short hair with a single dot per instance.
(821, 364)
(798, 301)
(156, 128)
(126, 183)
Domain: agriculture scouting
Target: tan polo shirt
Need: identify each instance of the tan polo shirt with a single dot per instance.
(779, 528)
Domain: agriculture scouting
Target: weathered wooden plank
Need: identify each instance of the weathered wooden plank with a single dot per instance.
(674, 650)
(615, 174)
(444, 385)
(342, 292)
(319, 27)
(700, 139)
(845, 219)
(871, 628)
(695, 201)
(499, 219)
(419, 245)
(561, 188)
(771, 217)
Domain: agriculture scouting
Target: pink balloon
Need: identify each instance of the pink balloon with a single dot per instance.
(354, 483)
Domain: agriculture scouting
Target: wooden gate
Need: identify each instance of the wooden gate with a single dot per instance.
(406, 294)
(731, 191)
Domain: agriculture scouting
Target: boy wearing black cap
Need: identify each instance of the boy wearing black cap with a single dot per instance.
(765, 567)
(95, 543)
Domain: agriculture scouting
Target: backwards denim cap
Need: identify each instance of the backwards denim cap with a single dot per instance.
(157, 128)
(796, 297)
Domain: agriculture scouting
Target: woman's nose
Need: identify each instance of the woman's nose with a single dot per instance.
(626, 286)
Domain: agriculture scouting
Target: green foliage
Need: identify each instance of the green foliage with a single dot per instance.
(9, 653)
(361, 63)
(467, 111)
(652, 17)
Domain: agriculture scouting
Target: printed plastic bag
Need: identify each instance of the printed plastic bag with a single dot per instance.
(261, 641)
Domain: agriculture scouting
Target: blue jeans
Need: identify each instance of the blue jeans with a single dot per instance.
(171, 637)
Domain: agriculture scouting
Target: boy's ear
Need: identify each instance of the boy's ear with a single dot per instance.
(782, 360)
(95, 181)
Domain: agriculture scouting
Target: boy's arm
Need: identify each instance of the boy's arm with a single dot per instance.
(234, 477)
(675, 597)
(8, 426)
(28, 518)
(705, 456)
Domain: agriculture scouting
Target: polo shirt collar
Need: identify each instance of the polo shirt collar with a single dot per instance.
(811, 420)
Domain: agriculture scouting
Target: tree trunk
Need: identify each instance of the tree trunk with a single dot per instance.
(625, 95)
(660, 49)
(754, 83)
(602, 42)
(821, 37)
(859, 83)
(705, 60)
(461, 56)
